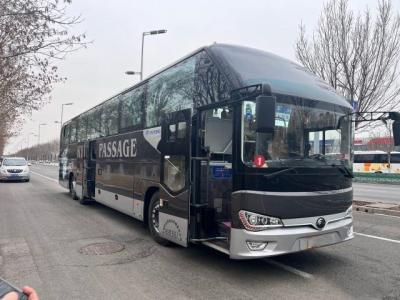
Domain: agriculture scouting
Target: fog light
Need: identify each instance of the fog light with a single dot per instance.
(256, 246)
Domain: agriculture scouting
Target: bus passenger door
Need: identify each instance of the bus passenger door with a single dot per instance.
(89, 170)
(213, 173)
(175, 176)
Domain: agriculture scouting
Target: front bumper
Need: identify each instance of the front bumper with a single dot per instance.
(14, 176)
(290, 239)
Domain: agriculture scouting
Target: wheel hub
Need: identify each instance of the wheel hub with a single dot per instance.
(154, 217)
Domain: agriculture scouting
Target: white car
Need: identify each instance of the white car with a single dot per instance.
(14, 168)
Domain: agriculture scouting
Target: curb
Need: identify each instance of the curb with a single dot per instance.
(372, 210)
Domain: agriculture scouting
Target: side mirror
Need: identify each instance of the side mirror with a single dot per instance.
(396, 132)
(265, 113)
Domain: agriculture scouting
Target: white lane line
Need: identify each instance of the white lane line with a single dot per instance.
(377, 237)
(390, 216)
(289, 269)
(48, 178)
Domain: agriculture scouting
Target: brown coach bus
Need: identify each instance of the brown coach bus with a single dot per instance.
(232, 147)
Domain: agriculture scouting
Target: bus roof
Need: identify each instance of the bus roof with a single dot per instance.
(245, 66)
(369, 152)
(253, 66)
(374, 152)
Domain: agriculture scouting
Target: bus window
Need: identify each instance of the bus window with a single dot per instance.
(211, 86)
(109, 117)
(174, 172)
(131, 109)
(170, 91)
(81, 129)
(181, 134)
(72, 138)
(93, 129)
(381, 159)
(65, 135)
(395, 158)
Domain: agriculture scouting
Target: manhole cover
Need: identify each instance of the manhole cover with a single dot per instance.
(102, 248)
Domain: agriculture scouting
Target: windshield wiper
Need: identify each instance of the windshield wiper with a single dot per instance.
(277, 173)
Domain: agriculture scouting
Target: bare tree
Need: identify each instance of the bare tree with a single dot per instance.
(34, 34)
(357, 55)
(46, 152)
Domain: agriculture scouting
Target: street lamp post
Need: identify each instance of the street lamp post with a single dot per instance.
(62, 111)
(40, 124)
(153, 32)
(27, 146)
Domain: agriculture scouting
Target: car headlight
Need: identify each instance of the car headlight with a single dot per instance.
(256, 222)
(3, 171)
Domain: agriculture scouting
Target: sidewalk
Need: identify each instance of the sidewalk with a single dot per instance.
(377, 208)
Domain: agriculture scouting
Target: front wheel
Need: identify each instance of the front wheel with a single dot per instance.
(153, 220)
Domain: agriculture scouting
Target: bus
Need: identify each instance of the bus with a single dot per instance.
(376, 162)
(231, 147)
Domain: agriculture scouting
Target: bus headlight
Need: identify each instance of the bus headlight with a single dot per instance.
(256, 222)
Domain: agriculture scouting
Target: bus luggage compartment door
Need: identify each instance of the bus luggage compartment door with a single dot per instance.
(175, 173)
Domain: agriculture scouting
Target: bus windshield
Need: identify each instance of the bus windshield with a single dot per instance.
(306, 134)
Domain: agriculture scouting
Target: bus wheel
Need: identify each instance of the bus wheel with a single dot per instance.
(153, 223)
(72, 190)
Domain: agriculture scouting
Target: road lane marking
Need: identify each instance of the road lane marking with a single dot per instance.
(377, 237)
(382, 215)
(289, 269)
(48, 178)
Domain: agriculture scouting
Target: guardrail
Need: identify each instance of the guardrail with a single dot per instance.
(377, 178)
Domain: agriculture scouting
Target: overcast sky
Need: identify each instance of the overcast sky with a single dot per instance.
(115, 27)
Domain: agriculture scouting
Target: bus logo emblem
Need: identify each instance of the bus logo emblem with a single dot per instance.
(320, 223)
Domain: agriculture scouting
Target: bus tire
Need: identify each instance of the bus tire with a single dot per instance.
(152, 220)
(72, 190)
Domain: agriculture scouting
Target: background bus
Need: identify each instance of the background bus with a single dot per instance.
(376, 162)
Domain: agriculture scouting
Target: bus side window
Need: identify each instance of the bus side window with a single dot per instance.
(395, 158)
(181, 134)
(171, 133)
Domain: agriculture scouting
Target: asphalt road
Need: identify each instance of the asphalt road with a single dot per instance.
(43, 232)
(386, 193)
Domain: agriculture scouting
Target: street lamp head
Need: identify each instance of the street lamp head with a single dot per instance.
(132, 73)
(42, 124)
(69, 103)
(157, 31)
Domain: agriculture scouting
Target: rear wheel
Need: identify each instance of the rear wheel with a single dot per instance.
(153, 220)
